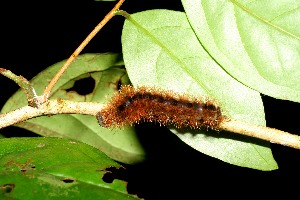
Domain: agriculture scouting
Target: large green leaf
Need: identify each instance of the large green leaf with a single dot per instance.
(256, 42)
(161, 49)
(56, 168)
(107, 71)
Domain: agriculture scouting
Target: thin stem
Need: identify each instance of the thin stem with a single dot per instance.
(122, 13)
(265, 133)
(112, 13)
(24, 84)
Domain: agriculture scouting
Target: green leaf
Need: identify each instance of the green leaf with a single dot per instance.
(161, 49)
(107, 71)
(56, 168)
(256, 42)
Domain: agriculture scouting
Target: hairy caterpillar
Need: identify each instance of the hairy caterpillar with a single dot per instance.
(149, 104)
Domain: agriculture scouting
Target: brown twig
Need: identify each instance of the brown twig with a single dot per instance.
(265, 133)
(51, 107)
(111, 14)
(61, 106)
(24, 84)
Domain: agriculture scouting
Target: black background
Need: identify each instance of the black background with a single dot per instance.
(37, 35)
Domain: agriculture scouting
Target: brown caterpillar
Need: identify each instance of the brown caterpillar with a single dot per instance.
(148, 104)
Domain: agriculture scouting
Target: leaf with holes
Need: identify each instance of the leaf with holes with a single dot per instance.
(161, 49)
(256, 42)
(102, 73)
(56, 168)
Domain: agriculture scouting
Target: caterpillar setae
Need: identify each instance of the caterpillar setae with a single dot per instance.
(149, 104)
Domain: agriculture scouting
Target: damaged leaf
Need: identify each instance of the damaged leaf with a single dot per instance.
(56, 168)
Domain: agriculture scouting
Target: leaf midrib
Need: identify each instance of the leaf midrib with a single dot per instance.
(168, 51)
(264, 20)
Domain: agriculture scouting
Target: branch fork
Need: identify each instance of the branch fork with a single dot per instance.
(41, 105)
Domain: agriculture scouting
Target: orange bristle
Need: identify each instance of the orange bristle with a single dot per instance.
(149, 104)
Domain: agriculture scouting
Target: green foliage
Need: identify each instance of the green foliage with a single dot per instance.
(161, 49)
(55, 168)
(107, 71)
(256, 42)
(228, 51)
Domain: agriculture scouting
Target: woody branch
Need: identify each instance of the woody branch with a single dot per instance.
(61, 106)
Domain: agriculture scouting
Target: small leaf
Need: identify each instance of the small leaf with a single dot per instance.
(256, 42)
(161, 49)
(107, 72)
(55, 168)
